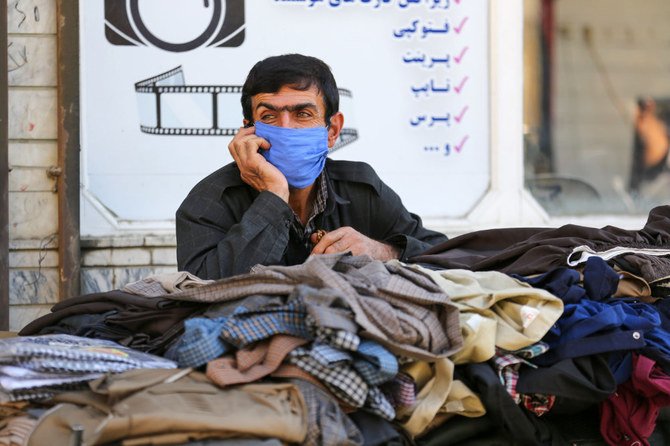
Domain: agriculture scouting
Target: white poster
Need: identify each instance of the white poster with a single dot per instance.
(160, 90)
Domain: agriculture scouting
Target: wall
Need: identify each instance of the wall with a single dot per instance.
(33, 214)
(111, 262)
(107, 263)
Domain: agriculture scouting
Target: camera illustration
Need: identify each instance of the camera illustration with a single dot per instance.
(162, 24)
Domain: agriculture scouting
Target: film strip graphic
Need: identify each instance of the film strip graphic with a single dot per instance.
(170, 107)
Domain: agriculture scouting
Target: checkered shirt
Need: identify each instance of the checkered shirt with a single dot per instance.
(206, 339)
(200, 342)
(342, 339)
(244, 327)
(331, 366)
(400, 391)
(377, 403)
(375, 364)
(319, 206)
(508, 363)
(340, 379)
(327, 424)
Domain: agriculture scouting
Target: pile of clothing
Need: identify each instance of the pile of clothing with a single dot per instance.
(38, 367)
(510, 336)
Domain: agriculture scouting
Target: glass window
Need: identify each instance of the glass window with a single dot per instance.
(597, 105)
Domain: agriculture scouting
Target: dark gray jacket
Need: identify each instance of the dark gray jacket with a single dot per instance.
(224, 226)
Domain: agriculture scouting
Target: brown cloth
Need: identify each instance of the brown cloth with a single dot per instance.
(160, 406)
(146, 323)
(528, 251)
(252, 363)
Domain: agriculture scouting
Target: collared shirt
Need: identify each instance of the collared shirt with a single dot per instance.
(224, 226)
(319, 206)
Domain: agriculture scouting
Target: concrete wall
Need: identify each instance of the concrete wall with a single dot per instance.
(107, 263)
(111, 262)
(33, 210)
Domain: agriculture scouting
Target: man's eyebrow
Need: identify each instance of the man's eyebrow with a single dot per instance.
(290, 108)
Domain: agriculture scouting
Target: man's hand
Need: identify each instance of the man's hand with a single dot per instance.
(255, 170)
(348, 239)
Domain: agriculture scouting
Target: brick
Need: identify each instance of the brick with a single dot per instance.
(32, 113)
(22, 315)
(96, 257)
(32, 215)
(160, 240)
(33, 286)
(118, 241)
(164, 256)
(31, 179)
(31, 16)
(33, 259)
(130, 256)
(31, 61)
(96, 280)
(33, 154)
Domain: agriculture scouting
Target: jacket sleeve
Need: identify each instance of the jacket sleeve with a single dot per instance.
(213, 243)
(402, 228)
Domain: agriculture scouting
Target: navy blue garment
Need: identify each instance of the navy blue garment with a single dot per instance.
(621, 365)
(600, 279)
(561, 282)
(600, 282)
(657, 337)
(591, 327)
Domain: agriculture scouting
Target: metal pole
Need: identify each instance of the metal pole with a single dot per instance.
(4, 174)
(69, 255)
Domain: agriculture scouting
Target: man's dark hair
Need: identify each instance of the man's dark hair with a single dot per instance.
(295, 71)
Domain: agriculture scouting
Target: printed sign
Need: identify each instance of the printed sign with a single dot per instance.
(161, 79)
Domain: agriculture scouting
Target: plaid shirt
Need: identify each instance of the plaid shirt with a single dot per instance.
(401, 391)
(402, 309)
(508, 363)
(340, 378)
(319, 206)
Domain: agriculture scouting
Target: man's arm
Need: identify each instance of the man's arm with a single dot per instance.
(217, 239)
(391, 231)
(402, 228)
(214, 240)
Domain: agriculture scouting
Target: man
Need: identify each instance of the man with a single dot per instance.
(282, 200)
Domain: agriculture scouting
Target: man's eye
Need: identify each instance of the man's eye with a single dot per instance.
(304, 114)
(267, 117)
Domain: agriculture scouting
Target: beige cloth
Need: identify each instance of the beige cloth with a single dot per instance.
(523, 314)
(432, 395)
(143, 405)
(440, 397)
(168, 283)
(14, 431)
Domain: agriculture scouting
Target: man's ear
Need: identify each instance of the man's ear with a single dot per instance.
(336, 124)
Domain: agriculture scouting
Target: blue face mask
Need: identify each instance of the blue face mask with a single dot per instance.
(299, 154)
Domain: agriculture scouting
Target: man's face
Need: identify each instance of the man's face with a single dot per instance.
(290, 108)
